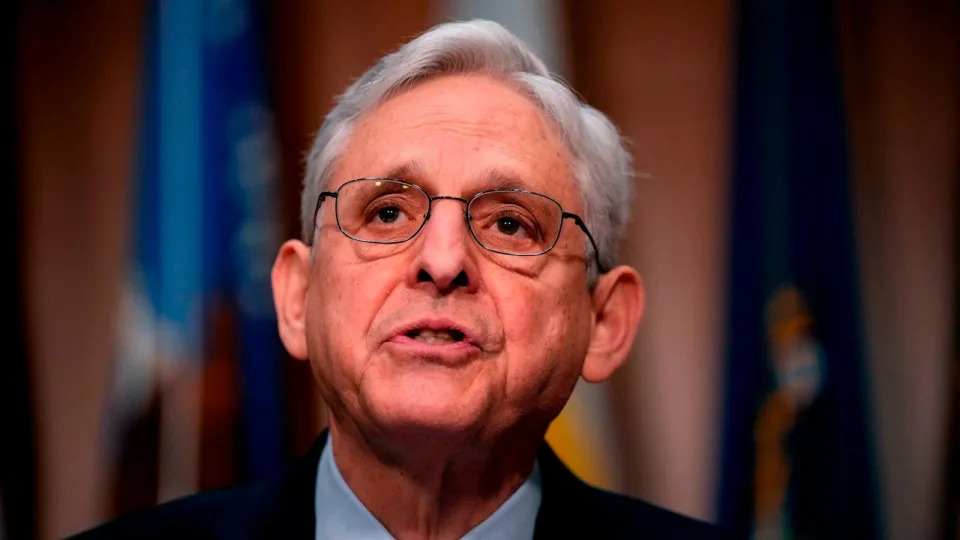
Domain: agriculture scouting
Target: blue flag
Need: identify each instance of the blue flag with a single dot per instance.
(243, 232)
(205, 232)
(797, 459)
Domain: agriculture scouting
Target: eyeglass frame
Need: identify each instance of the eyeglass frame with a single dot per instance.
(426, 217)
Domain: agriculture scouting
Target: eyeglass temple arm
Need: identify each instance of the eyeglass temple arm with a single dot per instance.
(323, 195)
(596, 252)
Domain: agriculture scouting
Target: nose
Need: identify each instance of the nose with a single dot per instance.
(444, 261)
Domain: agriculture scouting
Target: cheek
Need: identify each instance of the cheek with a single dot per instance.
(547, 337)
(345, 299)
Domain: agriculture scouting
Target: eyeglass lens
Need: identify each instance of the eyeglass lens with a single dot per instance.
(390, 211)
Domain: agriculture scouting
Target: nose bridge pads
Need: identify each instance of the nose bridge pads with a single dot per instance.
(466, 213)
(466, 205)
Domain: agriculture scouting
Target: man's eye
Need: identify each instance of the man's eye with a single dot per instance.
(516, 226)
(388, 214)
(508, 226)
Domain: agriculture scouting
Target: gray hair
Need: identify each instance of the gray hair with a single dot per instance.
(601, 164)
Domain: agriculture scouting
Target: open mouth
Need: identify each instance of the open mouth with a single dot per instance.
(436, 337)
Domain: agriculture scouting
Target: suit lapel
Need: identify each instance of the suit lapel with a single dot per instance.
(564, 500)
(294, 514)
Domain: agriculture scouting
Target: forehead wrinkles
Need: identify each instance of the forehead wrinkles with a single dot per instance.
(502, 114)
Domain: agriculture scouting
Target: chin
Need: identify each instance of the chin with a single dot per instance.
(429, 403)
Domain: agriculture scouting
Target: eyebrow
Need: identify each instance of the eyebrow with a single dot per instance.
(409, 171)
(499, 180)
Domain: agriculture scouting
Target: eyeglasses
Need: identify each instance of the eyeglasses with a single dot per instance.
(505, 221)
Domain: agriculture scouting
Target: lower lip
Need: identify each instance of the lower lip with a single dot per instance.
(450, 354)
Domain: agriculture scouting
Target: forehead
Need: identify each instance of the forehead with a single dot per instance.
(459, 134)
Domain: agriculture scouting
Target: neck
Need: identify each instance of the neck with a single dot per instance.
(428, 489)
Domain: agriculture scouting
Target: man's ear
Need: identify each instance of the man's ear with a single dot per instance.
(290, 279)
(617, 308)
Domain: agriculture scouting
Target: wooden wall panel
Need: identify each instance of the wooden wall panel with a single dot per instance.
(662, 71)
(77, 72)
(903, 68)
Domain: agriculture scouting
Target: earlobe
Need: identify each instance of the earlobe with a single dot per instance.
(618, 306)
(290, 279)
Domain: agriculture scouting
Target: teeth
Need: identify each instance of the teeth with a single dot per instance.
(438, 336)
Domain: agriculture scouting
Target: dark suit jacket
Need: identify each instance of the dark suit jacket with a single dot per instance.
(283, 508)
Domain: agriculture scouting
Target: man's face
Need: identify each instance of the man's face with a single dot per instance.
(438, 335)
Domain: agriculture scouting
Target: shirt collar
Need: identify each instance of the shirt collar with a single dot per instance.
(340, 514)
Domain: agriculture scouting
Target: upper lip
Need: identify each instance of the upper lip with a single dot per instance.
(436, 323)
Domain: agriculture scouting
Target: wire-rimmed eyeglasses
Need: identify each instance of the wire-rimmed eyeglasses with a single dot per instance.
(506, 221)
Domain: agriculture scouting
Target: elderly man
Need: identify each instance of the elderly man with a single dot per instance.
(461, 215)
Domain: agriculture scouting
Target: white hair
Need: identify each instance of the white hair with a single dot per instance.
(601, 166)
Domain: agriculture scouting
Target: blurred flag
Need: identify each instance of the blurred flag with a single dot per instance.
(196, 399)
(798, 458)
(241, 172)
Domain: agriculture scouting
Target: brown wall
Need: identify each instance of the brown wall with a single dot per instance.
(663, 73)
(903, 68)
(77, 84)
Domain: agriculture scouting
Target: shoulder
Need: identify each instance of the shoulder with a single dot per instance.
(571, 507)
(207, 515)
(622, 516)
(281, 507)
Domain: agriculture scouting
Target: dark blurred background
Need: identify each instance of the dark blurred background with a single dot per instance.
(796, 372)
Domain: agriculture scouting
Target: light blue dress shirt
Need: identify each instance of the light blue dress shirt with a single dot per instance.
(340, 514)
